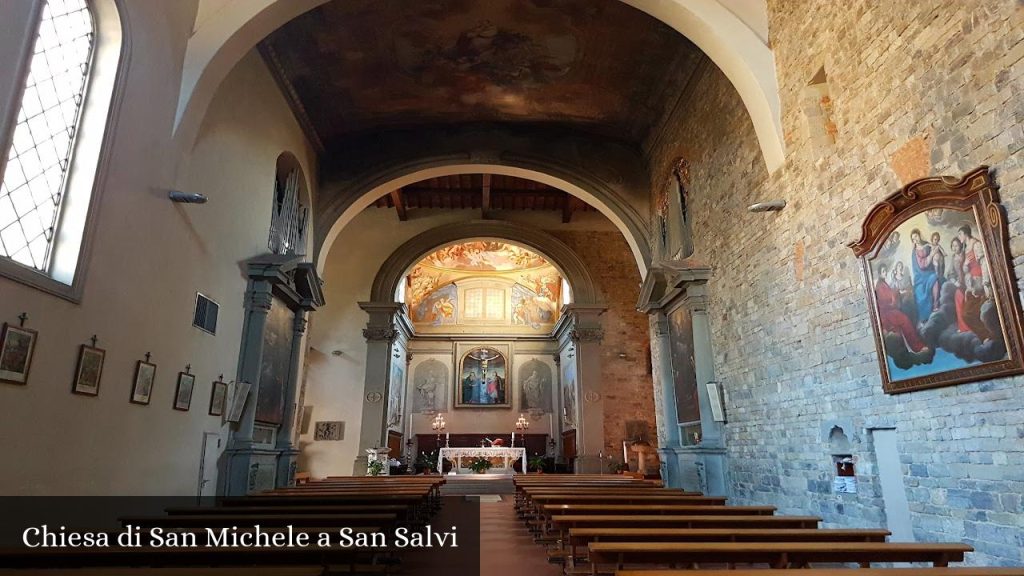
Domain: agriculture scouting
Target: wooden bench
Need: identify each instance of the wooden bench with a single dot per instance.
(228, 520)
(958, 571)
(39, 558)
(581, 537)
(775, 554)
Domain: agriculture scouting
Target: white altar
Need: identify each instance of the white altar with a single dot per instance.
(455, 456)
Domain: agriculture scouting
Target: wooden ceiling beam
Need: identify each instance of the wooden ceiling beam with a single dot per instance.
(485, 205)
(398, 200)
(567, 206)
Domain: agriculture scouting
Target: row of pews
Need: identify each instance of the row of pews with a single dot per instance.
(363, 504)
(601, 524)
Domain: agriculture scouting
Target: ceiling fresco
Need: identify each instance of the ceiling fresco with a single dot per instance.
(483, 255)
(359, 65)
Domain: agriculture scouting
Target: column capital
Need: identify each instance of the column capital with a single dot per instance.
(587, 334)
(380, 334)
(259, 300)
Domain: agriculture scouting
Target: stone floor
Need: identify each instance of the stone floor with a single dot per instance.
(506, 548)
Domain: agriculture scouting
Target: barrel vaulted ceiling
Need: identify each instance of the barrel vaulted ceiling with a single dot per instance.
(359, 66)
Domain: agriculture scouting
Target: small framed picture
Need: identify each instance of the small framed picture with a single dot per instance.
(89, 371)
(16, 347)
(183, 394)
(218, 398)
(142, 386)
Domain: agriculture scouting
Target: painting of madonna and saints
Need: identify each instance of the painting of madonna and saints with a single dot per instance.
(936, 285)
(482, 380)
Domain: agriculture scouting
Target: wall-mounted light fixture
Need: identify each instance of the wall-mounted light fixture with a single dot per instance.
(770, 206)
(186, 197)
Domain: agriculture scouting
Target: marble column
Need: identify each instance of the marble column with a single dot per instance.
(381, 334)
(586, 334)
(239, 465)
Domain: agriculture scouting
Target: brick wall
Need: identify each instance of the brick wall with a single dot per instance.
(626, 383)
(922, 88)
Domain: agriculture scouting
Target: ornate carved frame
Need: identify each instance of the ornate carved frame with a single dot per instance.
(974, 191)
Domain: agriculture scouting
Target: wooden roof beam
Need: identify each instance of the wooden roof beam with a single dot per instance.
(485, 205)
(397, 198)
(567, 207)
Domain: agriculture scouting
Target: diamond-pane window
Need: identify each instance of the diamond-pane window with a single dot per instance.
(39, 159)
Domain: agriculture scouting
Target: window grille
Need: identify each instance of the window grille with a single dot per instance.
(40, 156)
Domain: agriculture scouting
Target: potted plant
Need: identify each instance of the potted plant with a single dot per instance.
(426, 462)
(375, 468)
(480, 465)
(535, 464)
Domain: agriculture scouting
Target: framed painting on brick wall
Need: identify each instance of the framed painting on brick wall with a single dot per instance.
(941, 292)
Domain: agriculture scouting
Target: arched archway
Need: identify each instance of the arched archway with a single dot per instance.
(732, 44)
(333, 218)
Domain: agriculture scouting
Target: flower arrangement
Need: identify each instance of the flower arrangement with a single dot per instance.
(480, 465)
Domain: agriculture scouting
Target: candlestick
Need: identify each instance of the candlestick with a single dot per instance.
(513, 439)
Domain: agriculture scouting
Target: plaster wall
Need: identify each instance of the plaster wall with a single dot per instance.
(149, 259)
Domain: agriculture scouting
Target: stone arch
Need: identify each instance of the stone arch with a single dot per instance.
(732, 42)
(333, 218)
(386, 283)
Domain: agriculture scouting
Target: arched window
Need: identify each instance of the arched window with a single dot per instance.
(54, 144)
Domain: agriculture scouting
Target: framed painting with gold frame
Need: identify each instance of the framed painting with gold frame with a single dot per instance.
(940, 288)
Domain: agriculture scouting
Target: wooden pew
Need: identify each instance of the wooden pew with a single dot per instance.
(563, 523)
(549, 510)
(401, 512)
(775, 554)
(40, 558)
(581, 537)
(958, 571)
(228, 520)
(156, 571)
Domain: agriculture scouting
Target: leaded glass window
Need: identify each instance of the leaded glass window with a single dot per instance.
(38, 162)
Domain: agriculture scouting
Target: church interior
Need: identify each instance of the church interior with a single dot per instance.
(655, 284)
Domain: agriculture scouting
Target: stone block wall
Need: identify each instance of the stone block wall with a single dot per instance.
(626, 382)
(916, 89)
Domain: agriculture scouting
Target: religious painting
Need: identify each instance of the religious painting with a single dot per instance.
(396, 391)
(941, 292)
(684, 372)
(429, 388)
(218, 398)
(16, 347)
(532, 309)
(275, 365)
(437, 308)
(183, 393)
(569, 404)
(535, 386)
(482, 380)
(484, 283)
(142, 385)
(88, 371)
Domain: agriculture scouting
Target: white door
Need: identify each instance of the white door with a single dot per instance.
(208, 464)
(894, 493)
